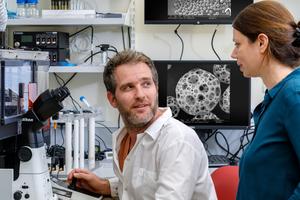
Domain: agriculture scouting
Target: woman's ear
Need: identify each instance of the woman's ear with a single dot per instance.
(263, 41)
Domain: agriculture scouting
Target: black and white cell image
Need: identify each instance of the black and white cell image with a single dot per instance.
(195, 94)
(225, 101)
(198, 92)
(172, 103)
(222, 72)
(199, 8)
(206, 116)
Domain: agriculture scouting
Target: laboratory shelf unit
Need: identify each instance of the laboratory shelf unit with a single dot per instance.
(122, 21)
(74, 69)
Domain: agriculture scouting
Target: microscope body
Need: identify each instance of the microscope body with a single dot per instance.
(31, 175)
(34, 180)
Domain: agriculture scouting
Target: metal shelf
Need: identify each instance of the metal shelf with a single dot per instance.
(68, 21)
(74, 69)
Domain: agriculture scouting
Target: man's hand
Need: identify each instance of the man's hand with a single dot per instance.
(89, 181)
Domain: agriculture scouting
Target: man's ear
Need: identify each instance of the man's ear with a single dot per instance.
(263, 41)
(112, 99)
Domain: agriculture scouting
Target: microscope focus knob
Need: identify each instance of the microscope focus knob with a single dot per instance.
(24, 154)
(18, 195)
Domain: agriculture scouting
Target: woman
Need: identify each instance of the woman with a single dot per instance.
(267, 45)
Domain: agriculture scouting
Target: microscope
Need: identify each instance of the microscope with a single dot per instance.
(31, 175)
(31, 178)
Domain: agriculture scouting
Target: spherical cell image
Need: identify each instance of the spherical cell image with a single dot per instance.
(198, 91)
(172, 103)
(222, 72)
(205, 117)
(199, 7)
(225, 101)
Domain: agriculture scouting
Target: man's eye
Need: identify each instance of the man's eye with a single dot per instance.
(127, 88)
(147, 84)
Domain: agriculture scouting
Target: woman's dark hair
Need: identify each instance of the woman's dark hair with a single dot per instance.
(126, 57)
(274, 20)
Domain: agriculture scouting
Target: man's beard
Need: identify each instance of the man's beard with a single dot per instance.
(137, 121)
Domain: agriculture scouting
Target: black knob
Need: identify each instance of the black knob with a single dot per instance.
(17, 195)
(24, 154)
(72, 185)
(26, 196)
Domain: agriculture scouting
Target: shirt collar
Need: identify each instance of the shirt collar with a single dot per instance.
(153, 129)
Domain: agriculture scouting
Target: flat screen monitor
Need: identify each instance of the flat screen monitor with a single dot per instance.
(193, 11)
(205, 94)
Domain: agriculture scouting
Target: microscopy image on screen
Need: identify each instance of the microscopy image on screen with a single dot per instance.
(199, 8)
(198, 94)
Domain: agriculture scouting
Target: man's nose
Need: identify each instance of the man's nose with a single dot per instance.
(140, 93)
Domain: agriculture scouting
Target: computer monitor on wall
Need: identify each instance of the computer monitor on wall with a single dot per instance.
(193, 11)
(205, 94)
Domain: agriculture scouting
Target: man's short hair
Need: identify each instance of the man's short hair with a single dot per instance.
(126, 57)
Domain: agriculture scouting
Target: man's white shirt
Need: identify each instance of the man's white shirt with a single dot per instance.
(168, 161)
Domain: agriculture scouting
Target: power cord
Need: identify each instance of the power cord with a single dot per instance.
(212, 42)
(104, 127)
(123, 38)
(248, 131)
(129, 37)
(227, 149)
(103, 48)
(182, 43)
(64, 83)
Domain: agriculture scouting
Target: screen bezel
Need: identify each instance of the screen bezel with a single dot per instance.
(155, 12)
(240, 102)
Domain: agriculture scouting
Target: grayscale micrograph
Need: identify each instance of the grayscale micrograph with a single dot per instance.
(198, 94)
(200, 8)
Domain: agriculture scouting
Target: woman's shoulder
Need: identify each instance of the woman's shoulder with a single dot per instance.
(291, 89)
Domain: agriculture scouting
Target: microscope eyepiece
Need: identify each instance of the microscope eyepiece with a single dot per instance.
(60, 93)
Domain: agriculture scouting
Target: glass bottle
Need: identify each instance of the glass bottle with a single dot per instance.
(21, 9)
(32, 8)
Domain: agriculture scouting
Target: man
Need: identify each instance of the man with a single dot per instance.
(155, 155)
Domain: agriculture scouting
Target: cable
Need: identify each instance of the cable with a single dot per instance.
(123, 38)
(112, 50)
(119, 120)
(102, 141)
(212, 42)
(242, 146)
(58, 77)
(62, 136)
(73, 75)
(92, 37)
(115, 49)
(64, 84)
(104, 126)
(129, 37)
(99, 144)
(227, 150)
(182, 43)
